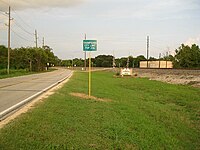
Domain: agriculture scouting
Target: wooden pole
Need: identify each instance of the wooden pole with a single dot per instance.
(85, 63)
(8, 67)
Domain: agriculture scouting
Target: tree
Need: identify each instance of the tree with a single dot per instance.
(131, 61)
(103, 61)
(187, 57)
(118, 62)
(123, 61)
(66, 63)
(152, 59)
(30, 58)
(3, 57)
(51, 58)
(78, 62)
(138, 59)
(168, 58)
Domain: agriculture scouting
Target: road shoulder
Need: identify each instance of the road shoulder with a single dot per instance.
(34, 102)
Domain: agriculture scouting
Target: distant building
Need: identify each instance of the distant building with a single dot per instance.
(156, 64)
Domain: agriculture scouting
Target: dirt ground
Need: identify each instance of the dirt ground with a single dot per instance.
(174, 76)
(85, 96)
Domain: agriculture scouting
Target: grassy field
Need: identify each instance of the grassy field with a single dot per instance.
(13, 73)
(143, 114)
(16, 73)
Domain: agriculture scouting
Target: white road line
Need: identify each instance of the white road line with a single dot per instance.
(20, 104)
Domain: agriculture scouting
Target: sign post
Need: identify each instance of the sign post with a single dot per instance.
(89, 82)
(89, 45)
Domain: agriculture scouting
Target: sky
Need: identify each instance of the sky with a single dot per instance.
(121, 27)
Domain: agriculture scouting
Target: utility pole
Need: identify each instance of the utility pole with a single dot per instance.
(147, 51)
(85, 63)
(8, 67)
(114, 60)
(167, 56)
(43, 42)
(72, 63)
(159, 59)
(30, 65)
(127, 65)
(36, 38)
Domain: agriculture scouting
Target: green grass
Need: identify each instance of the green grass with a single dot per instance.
(13, 73)
(143, 114)
(16, 73)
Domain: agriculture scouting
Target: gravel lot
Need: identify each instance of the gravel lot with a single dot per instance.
(174, 76)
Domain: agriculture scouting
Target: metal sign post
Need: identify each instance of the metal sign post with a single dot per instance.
(89, 45)
(89, 82)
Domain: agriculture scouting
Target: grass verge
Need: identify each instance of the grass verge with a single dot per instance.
(143, 114)
(16, 73)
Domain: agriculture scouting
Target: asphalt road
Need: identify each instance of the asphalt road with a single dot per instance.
(15, 90)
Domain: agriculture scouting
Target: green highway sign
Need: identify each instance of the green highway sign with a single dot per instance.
(89, 45)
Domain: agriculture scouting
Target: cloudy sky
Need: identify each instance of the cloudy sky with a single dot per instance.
(120, 26)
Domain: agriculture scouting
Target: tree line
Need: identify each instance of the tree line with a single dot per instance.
(37, 59)
(105, 61)
(185, 57)
(30, 58)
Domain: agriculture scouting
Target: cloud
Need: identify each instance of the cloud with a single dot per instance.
(153, 10)
(191, 41)
(36, 4)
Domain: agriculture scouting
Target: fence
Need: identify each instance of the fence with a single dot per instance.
(156, 64)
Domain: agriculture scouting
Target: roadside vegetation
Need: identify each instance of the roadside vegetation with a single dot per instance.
(24, 61)
(19, 72)
(139, 114)
(37, 59)
(13, 73)
(29, 58)
(185, 57)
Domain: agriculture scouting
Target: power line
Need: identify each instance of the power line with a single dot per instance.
(156, 42)
(22, 28)
(3, 13)
(23, 20)
(17, 15)
(4, 2)
(24, 23)
(159, 40)
(156, 46)
(21, 37)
